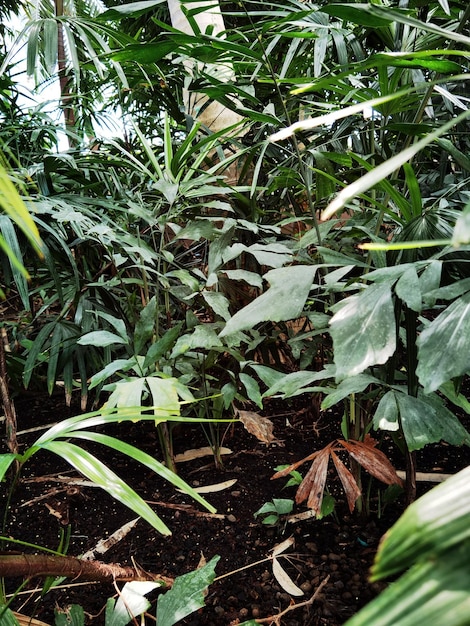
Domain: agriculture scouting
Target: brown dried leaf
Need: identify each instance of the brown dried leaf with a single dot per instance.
(259, 426)
(350, 486)
(197, 453)
(313, 484)
(104, 545)
(373, 460)
(25, 620)
(287, 470)
(214, 487)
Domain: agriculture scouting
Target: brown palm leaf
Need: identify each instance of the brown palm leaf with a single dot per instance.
(313, 485)
(372, 460)
(350, 486)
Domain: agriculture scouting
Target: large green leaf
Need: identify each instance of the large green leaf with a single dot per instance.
(385, 13)
(204, 336)
(126, 393)
(432, 593)
(101, 339)
(7, 617)
(426, 420)
(363, 330)
(357, 14)
(119, 365)
(429, 527)
(104, 477)
(186, 595)
(158, 349)
(350, 385)
(408, 289)
(293, 383)
(443, 346)
(144, 52)
(19, 274)
(145, 326)
(288, 291)
(432, 539)
(164, 395)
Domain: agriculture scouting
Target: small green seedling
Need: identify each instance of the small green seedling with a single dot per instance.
(295, 476)
(274, 510)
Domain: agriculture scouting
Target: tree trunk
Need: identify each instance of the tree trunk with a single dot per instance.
(64, 79)
(212, 114)
(33, 565)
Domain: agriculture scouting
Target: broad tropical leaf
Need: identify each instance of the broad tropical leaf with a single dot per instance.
(363, 330)
(451, 328)
(288, 291)
(103, 476)
(186, 595)
(432, 525)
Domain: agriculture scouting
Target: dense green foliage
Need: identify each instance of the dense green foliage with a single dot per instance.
(320, 246)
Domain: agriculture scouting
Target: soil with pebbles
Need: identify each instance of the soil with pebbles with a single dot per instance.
(335, 552)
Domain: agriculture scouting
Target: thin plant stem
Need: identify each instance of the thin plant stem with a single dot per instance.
(295, 144)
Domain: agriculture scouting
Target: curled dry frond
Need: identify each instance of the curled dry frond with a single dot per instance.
(363, 452)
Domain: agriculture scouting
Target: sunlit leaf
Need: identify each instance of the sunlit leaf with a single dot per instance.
(126, 393)
(104, 477)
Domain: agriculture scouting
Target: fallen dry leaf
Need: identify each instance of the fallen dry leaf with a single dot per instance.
(257, 425)
(373, 460)
(213, 488)
(24, 620)
(285, 580)
(350, 486)
(283, 546)
(104, 545)
(197, 453)
(313, 485)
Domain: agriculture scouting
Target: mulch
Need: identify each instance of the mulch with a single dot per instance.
(334, 553)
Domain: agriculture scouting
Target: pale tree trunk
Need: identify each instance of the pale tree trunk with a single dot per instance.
(64, 80)
(212, 114)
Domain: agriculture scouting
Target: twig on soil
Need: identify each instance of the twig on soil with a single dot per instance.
(187, 508)
(276, 619)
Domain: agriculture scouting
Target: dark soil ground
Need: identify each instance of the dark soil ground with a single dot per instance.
(340, 546)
